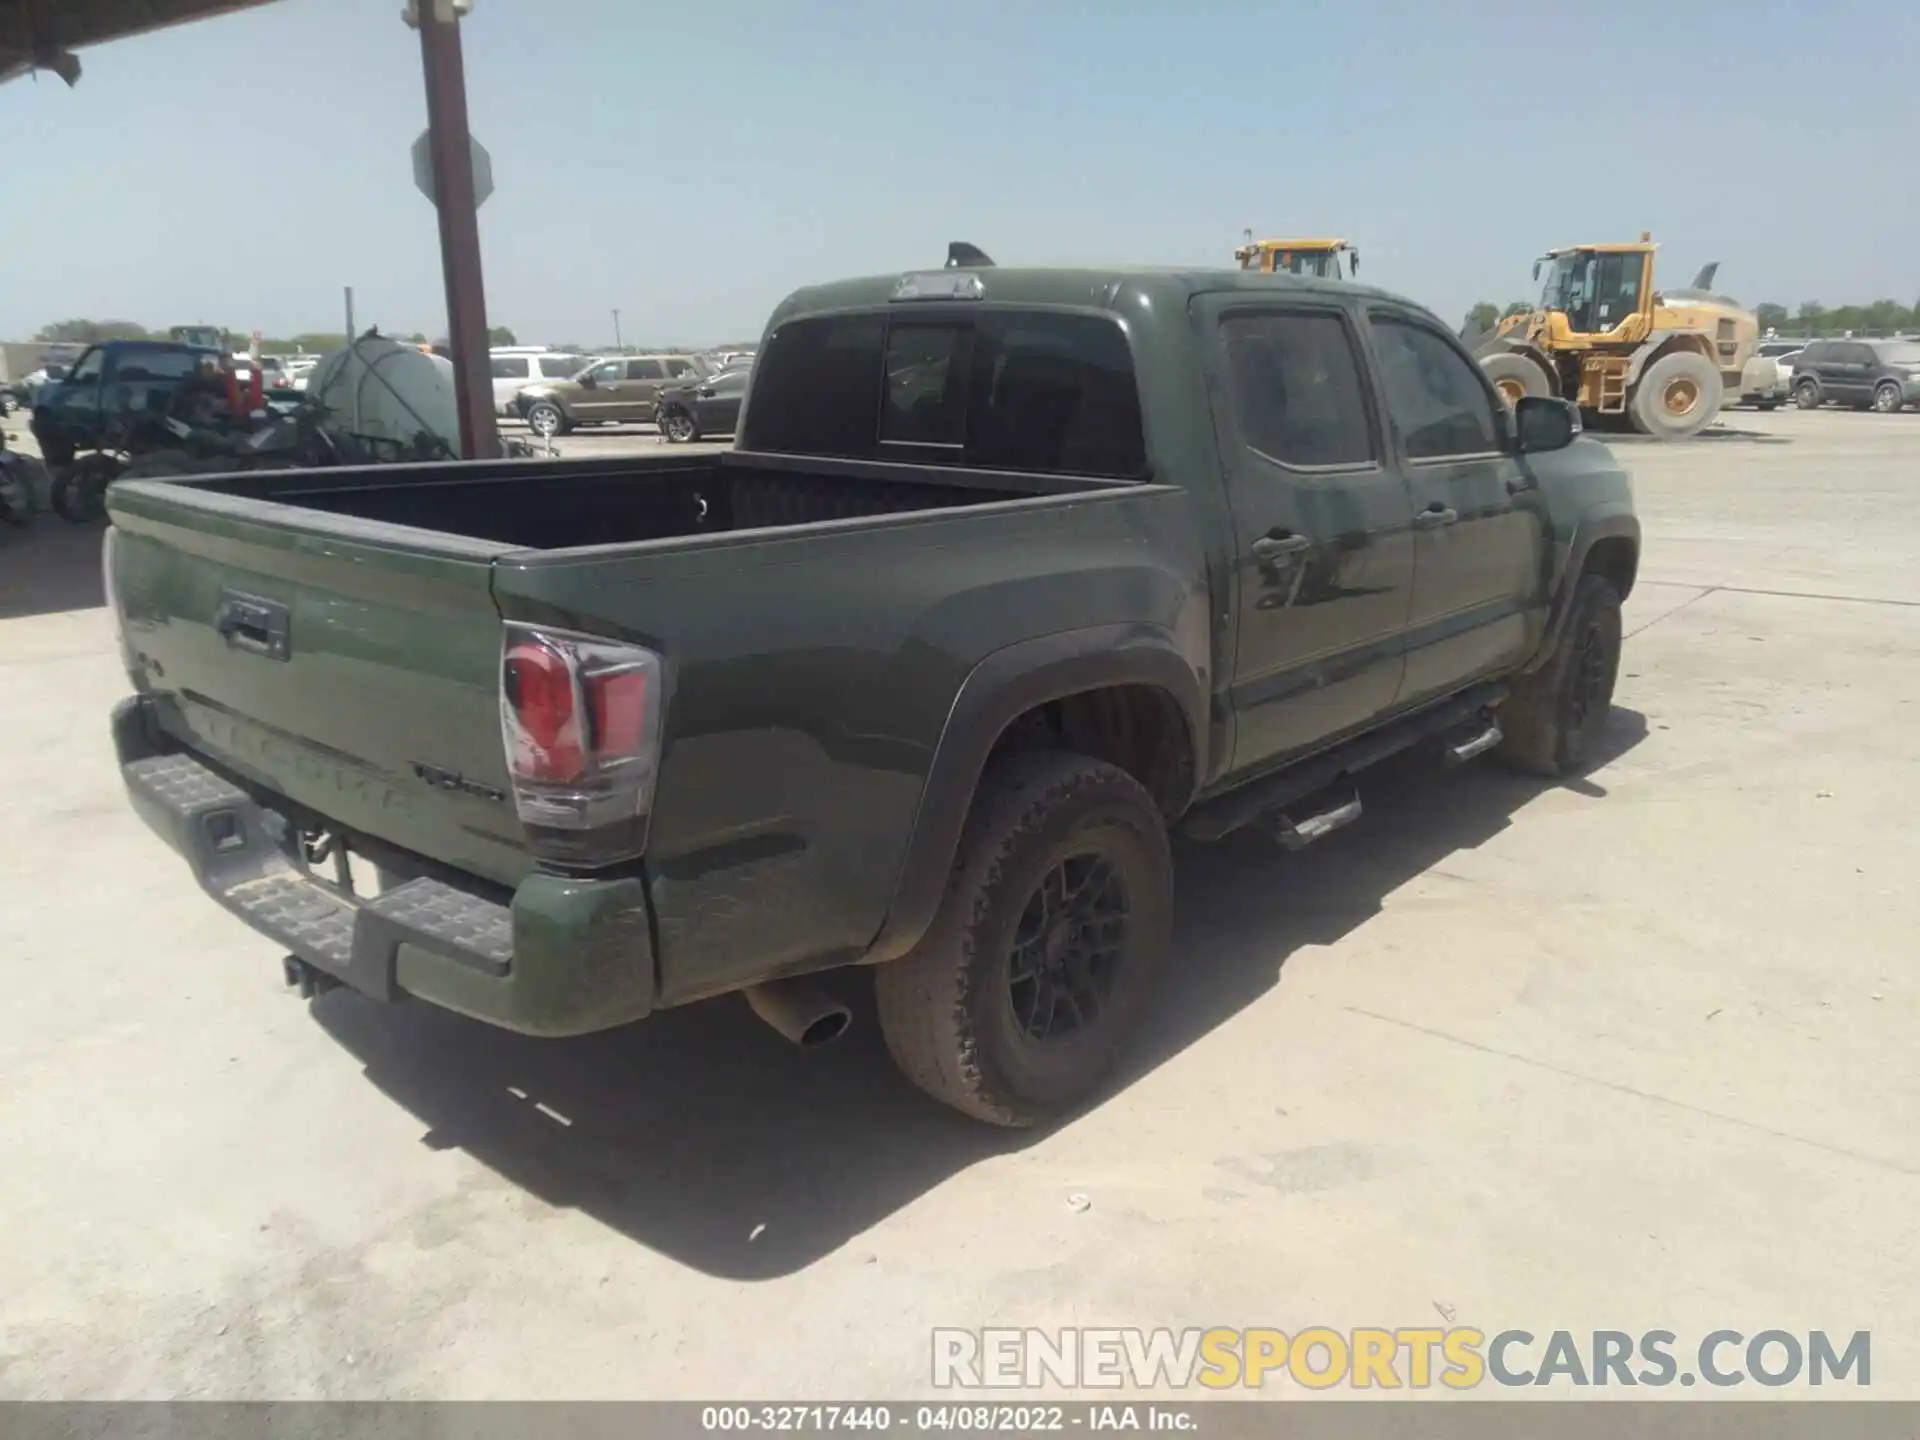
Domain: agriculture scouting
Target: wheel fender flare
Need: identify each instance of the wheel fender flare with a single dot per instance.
(1002, 686)
(1527, 351)
(1605, 522)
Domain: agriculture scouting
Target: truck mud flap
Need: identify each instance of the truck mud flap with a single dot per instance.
(238, 853)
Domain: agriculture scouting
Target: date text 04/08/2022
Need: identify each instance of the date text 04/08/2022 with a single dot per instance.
(961, 1419)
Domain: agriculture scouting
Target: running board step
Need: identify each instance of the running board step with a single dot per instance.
(1298, 834)
(1458, 752)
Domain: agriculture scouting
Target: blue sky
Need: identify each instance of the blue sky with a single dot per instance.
(690, 163)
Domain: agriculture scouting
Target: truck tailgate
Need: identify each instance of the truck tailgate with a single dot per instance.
(348, 665)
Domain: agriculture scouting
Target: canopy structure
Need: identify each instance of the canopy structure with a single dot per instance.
(44, 34)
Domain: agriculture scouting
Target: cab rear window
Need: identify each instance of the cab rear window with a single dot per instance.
(1038, 391)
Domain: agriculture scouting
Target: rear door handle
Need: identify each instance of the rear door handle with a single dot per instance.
(1269, 548)
(1434, 516)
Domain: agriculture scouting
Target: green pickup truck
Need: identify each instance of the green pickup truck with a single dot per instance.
(1010, 574)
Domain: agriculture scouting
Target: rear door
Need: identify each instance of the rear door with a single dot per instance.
(338, 662)
(1323, 562)
(1856, 366)
(1480, 529)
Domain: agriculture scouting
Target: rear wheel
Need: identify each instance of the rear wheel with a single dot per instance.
(1516, 377)
(1806, 395)
(1887, 397)
(1678, 395)
(1054, 929)
(1553, 718)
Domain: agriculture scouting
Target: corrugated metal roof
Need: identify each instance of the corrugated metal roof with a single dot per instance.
(43, 34)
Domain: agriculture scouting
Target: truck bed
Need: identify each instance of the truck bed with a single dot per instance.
(556, 505)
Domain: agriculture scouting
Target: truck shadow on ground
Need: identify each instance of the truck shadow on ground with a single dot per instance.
(704, 1136)
(49, 566)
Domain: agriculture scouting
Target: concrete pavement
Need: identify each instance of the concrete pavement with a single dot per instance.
(1636, 1052)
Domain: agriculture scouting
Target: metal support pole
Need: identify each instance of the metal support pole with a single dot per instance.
(452, 150)
(616, 331)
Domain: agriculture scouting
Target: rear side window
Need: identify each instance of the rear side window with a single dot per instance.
(1814, 354)
(1435, 394)
(1297, 393)
(645, 370)
(509, 367)
(1001, 390)
(677, 368)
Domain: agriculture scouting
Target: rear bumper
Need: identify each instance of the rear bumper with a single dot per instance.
(565, 957)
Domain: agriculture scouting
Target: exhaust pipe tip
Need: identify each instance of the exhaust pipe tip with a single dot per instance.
(800, 1011)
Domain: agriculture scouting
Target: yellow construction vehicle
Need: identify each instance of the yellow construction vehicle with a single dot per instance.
(1603, 336)
(1317, 258)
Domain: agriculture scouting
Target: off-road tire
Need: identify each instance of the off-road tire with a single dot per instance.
(947, 1008)
(1507, 370)
(1888, 398)
(1551, 727)
(1806, 396)
(1647, 407)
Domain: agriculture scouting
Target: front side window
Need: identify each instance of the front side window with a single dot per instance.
(1435, 394)
(607, 374)
(87, 367)
(1298, 397)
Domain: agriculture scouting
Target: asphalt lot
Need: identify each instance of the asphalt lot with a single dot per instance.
(1636, 1052)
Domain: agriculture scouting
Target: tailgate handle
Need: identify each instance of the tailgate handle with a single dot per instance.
(249, 622)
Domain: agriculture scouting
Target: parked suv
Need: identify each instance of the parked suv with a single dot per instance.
(515, 369)
(616, 391)
(1881, 374)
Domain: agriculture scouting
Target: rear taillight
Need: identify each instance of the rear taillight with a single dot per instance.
(581, 721)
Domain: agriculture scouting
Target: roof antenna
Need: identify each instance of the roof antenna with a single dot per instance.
(962, 256)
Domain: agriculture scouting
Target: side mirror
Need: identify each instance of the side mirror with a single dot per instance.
(1541, 423)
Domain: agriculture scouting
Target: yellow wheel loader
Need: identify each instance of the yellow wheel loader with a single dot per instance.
(1603, 336)
(1319, 259)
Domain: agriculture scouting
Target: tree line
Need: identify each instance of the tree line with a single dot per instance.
(94, 332)
(1812, 319)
